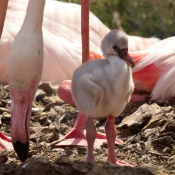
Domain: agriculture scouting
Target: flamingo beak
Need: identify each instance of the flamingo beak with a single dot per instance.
(20, 122)
(125, 55)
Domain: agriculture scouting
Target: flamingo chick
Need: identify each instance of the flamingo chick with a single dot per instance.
(25, 64)
(103, 87)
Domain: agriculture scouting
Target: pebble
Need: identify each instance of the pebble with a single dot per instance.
(64, 160)
(39, 95)
(2, 110)
(145, 158)
(53, 137)
(46, 100)
(3, 158)
(80, 168)
(59, 109)
(46, 87)
(36, 111)
(167, 150)
(101, 129)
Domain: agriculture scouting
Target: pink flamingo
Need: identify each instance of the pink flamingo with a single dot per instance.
(24, 69)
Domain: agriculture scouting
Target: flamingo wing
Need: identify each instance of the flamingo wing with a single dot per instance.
(154, 69)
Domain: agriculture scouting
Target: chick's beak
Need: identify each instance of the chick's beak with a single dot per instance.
(125, 55)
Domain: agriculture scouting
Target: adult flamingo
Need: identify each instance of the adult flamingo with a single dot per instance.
(24, 69)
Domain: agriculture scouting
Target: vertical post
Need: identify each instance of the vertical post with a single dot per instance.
(3, 9)
(85, 30)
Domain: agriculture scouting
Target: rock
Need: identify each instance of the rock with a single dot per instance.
(6, 117)
(59, 109)
(145, 158)
(63, 119)
(167, 109)
(55, 106)
(46, 100)
(46, 88)
(63, 159)
(82, 150)
(53, 137)
(165, 140)
(80, 168)
(36, 111)
(101, 129)
(3, 103)
(138, 119)
(167, 150)
(39, 95)
(3, 158)
(54, 89)
(2, 110)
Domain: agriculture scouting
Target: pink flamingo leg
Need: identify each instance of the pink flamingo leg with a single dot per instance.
(90, 135)
(3, 9)
(5, 142)
(111, 134)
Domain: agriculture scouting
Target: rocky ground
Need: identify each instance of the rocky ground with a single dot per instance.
(148, 131)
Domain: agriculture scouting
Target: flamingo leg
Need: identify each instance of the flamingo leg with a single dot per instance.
(3, 9)
(77, 135)
(5, 142)
(90, 136)
(110, 135)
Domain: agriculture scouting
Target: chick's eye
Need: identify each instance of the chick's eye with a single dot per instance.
(114, 47)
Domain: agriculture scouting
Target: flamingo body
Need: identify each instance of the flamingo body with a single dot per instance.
(137, 43)
(92, 90)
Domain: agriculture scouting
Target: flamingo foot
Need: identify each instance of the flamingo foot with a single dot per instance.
(119, 162)
(101, 136)
(5, 142)
(77, 136)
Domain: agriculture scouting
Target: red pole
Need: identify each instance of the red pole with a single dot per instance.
(85, 30)
(3, 9)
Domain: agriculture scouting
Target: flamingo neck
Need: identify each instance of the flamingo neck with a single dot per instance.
(34, 16)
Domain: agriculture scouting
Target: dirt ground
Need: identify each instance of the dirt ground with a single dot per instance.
(148, 131)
